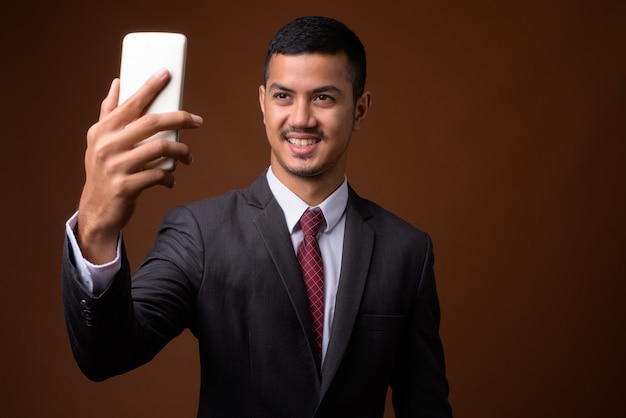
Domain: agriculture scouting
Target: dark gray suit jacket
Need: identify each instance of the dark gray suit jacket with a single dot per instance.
(226, 269)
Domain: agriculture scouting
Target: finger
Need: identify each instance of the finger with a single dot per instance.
(139, 157)
(110, 101)
(114, 116)
(136, 104)
(151, 124)
(142, 180)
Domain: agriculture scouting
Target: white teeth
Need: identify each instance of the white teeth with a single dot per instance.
(301, 142)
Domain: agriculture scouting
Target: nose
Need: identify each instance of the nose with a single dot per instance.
(302, 115)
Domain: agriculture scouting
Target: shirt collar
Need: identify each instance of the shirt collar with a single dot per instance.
(332, 207)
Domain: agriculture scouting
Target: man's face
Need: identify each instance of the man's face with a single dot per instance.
(309, 115)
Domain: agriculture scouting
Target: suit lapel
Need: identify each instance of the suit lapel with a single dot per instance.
(357, 251)
(273, 230)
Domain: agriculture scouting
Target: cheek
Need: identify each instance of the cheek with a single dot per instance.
(273, 127)
(273, 118)
(340, 126)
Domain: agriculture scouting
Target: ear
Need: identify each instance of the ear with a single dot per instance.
(262, 100)
(361, 108)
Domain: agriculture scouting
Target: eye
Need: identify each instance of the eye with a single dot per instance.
(323, 97)
(281, 96)
(324, 100)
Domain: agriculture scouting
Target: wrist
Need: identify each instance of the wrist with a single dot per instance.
(98, 245)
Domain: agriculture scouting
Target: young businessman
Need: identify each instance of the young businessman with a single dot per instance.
(228, 267)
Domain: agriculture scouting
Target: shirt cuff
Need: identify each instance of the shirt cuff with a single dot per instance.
(95, 277)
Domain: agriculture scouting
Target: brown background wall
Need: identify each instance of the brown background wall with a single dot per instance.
(497, 128)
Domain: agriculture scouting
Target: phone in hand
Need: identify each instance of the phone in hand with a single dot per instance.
(143, 54)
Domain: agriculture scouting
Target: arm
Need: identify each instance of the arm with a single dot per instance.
(420, 387)
(101, 327)
(126, 324)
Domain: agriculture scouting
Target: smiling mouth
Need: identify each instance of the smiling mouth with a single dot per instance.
(302, 142)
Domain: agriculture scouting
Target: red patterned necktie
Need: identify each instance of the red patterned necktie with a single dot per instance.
(310, 259)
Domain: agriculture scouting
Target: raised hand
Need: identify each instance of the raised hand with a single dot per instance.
(115, 166)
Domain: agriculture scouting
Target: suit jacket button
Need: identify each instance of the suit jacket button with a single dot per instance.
(86, 312)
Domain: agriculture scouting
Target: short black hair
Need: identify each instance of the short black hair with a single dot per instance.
(323, 35)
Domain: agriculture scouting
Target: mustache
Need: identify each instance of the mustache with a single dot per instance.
(309, 131)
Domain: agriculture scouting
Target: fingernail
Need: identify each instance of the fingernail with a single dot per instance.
(197, 120)
(161, 73)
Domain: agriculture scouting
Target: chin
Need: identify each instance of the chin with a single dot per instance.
(300, 170)
(304, 172)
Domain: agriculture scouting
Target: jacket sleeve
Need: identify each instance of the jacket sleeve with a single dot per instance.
(419, 385)
(128, 323)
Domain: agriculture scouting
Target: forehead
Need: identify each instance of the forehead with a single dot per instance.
(307, 68)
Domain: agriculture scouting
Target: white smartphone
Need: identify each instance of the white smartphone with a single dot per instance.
(143, 54)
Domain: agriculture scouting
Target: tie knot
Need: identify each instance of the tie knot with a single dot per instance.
(311, 221)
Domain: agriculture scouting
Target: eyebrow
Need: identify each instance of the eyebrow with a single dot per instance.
(322, 89)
